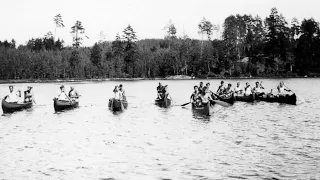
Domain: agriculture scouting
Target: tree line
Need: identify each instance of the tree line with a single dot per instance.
(248, 46)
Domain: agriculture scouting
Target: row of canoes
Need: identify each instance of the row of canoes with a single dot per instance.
(286, 99)
(206, 108)
(117, 105)
(60, 105)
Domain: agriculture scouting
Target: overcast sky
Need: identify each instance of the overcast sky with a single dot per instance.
(24, 19)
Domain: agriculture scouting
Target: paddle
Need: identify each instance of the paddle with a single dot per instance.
(111, 106)
(288, 88)
(68, 98)
(221, 103)
(185, 104)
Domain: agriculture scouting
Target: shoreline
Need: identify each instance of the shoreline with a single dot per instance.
(17, 81)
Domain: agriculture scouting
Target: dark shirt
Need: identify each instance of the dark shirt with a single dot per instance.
(159, 89)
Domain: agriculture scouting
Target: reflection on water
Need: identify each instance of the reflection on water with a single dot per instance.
(245, 141)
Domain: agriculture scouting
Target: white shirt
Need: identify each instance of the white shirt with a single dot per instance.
(248, 91)
(62, 96)
(257, 89)
(118, 95)
(12, 97)
(237, 90)
(281, 90)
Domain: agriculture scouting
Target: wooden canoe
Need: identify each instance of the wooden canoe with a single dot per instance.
(286, 99)
(60, 105)
(243, 98)
(12, 107)
(203, 110)
(229, 99)
(115, 104)
(164, 102)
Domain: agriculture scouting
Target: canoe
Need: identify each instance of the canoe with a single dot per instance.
(287, 99)
(60, 105)
(115, 104)
(12, 107)
(164, 102)
(243, 98)
(203, 110)
(229, 100)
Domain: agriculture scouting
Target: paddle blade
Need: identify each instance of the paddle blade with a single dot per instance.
(185, 104)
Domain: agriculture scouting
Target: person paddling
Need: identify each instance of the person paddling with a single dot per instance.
(238, 90)
(220, 88)
(117, 93)
(62, 96)
(165, 92)
(228, 91)
(200, 87)
(195, 95)
(208, 89)
(159, 91)
(205, 97)
(28, 95)
(73, 94)
(247, 89)
(282, 90)
(12, 97)
(258, 89)
(122, 91)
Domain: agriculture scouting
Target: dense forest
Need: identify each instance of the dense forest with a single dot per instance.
(247, 46)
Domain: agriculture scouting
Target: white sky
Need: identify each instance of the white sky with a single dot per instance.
(24, 19)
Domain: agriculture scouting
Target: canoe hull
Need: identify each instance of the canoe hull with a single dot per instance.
(13, 107)
(229, 100)
(249, 98)
(115, 105)
(64, 105)
(165, 102)
(203, 110)
(288, 99)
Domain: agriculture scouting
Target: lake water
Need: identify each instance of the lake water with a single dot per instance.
(244, 141)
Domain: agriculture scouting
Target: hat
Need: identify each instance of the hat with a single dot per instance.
(62, 86)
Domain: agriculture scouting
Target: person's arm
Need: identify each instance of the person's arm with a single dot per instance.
(218, 89)
(19, 93)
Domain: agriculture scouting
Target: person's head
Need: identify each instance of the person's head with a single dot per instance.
(281, 83)
(11, 88)
(62, 88)
(238, 84)
(247, 84)
(257, 84)
(29, 88)
(115, 89)
(120, 86)
(160, 84)
(72, 88)
(195, 88)
(229, 85)
(204, 90)
(222, 82)
(208, 84)
(201, 84)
